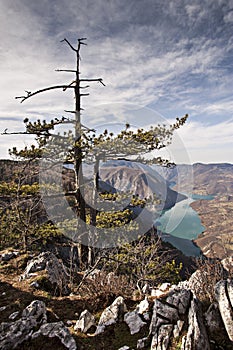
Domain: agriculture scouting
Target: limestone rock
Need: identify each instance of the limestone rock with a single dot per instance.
(59, 330)
(143, 343)
(161, 290)
(125, 347)
(168, 317)
(56, 271)
(111, 314)
(161, 338)
(85, 322)
(196, 337)
(178, 328)
(143, 306)
(134, 321)
(224, 296)
(14, 315)
(14, 333)
(213, 318)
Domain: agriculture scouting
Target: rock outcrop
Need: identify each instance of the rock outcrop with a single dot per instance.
(85, 322)
(111, 314)
(55, 270)
(59, 330)
(224, 296)
(33, 323)
(14, 333)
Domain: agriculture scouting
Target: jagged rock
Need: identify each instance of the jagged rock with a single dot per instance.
(197, 280)
(143, 343)
(56, 271)
(111, 314)
(167, 318)
(143, 306)
(85, 322)
(178, 328)
(134, 321)
(161, 338)
(14, 315)
(37, 264)
(14, 333)
(180, 299)
(213, 318)
(196, 337)
(59, 330)
(224, 297)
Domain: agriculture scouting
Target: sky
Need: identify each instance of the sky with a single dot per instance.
(159, 60)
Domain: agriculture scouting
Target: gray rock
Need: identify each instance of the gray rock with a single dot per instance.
(213, 318)
(143, 306)
(111, 314)
(125, 347)
(178, 328)
(161, 339)
(196, 337)
(224, 297)
(85, 322)
(56, 271)
(14, 333)
(59, 330)
(14, 315)
(134, 322)
(167, 318)
(143, 343)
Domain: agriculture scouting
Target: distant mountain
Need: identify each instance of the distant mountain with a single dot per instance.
(141, 180)
(204, 178)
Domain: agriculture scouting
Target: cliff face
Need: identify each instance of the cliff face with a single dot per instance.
(141, 181)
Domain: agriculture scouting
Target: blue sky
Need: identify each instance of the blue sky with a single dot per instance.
(170, 57)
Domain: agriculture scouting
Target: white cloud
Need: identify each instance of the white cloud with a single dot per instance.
(153, 57)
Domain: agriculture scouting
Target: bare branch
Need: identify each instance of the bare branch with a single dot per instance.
(23, 98)
(65, 40)
(73, 82)
(100, 80)
(65, 70)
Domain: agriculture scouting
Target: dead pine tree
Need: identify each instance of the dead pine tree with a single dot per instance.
(77, 85)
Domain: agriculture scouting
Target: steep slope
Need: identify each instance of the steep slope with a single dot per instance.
(141, 181)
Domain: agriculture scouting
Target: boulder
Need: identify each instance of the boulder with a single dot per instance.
(14, 333)
(111, 314)
(224, 297)
(59, 330)
(56, 272)
(85, 322)
(134, 321)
